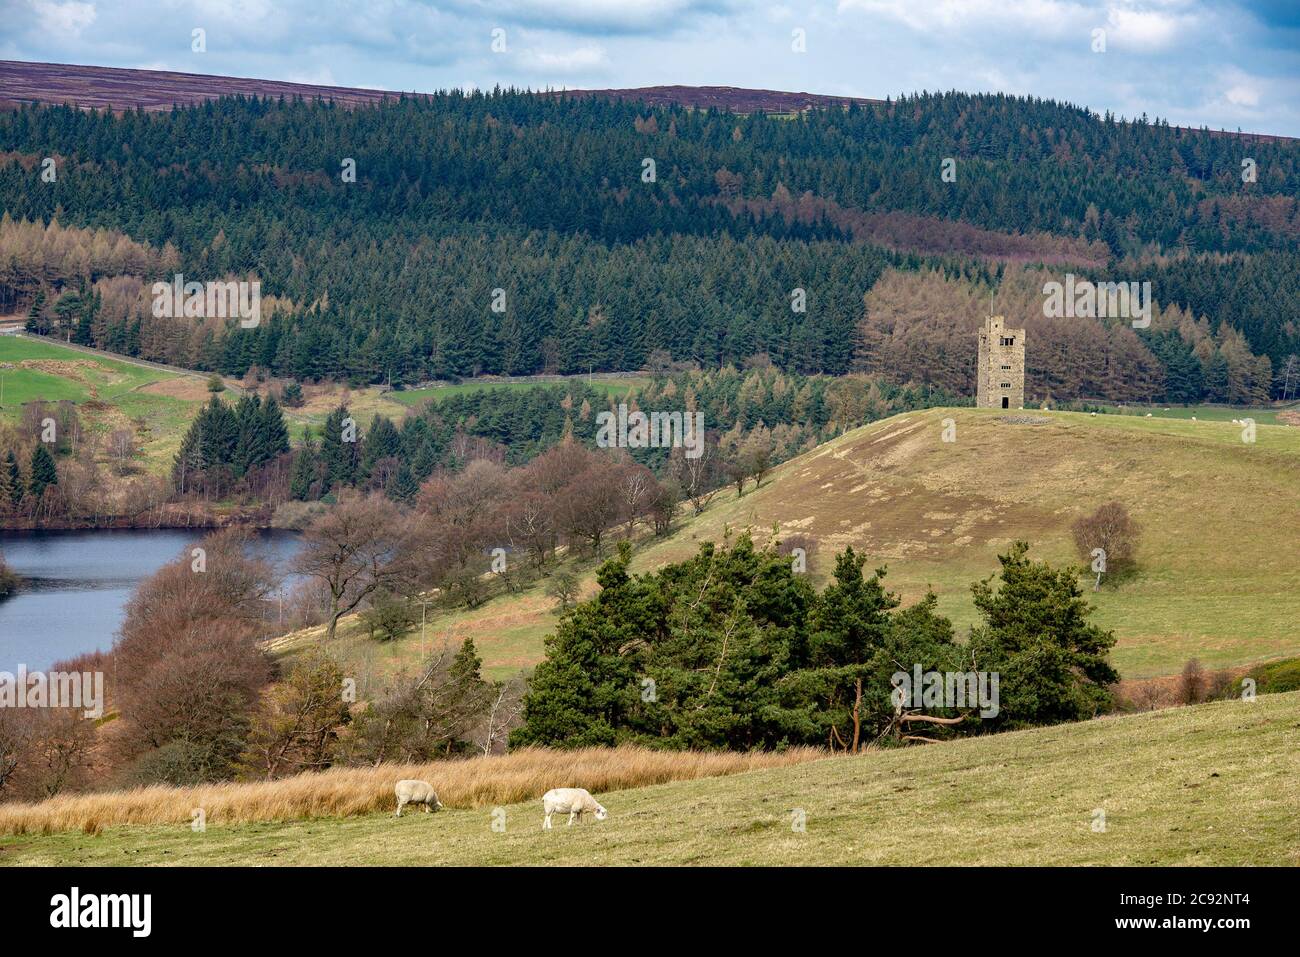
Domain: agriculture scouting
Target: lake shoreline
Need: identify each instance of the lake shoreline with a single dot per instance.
(256, 518)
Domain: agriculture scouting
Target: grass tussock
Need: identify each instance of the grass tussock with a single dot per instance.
(342, 792)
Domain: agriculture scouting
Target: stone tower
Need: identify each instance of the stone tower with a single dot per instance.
(1000, 378)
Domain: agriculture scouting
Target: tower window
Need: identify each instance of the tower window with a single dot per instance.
(1008, 340)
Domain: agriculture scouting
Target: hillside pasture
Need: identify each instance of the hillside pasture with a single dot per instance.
(1214, 784)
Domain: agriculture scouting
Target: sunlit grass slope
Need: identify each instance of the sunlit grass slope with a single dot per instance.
(1212, 784)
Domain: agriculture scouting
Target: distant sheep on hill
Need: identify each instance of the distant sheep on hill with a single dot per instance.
(416, 792)
(573, 802)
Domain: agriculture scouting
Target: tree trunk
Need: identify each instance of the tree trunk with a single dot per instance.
(857, 716)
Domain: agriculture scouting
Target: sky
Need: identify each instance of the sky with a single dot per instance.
(1226, 64)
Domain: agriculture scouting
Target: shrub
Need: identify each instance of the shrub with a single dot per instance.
(389, 616)
(1277, 676)
(291, 397)
(564, 589)
(182, 764)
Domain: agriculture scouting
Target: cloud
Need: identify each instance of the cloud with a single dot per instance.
(1142, 29)
(1135, 24)
(1242, 95)
(584, 59)
(597, 16)
(1237, 93)
(64, 20)
(1041, 17)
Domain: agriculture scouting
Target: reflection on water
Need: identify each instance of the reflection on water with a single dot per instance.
(76, 585)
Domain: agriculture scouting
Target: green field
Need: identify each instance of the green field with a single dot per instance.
(1216, 784)
(35, 369)
(95, 376)
(1203, 413)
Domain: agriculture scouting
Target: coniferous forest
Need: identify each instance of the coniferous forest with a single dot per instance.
(520, 233)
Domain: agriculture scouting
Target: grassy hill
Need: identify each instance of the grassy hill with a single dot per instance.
(110, 393)
(1212, 784)
(1218, 550)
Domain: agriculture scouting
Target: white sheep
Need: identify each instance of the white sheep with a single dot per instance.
(571, 801)
(416, 792)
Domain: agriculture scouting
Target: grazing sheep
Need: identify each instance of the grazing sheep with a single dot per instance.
(416, 792)
(571, 801)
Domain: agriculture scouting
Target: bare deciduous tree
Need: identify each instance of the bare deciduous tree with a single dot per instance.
(354, 549)
(122, 449)
(1111, 529)
(636, 486)
(503, 713)
(698, 477)
(1192, 683)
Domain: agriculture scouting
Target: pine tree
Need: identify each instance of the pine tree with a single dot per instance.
(6, 488)
(338, 449)
(36, 321)
(220, 434)
(303, 475)
(249, 447)
(43, 471)
(15, 476)
(402, 487)
(187, 467)
(211, 442)
(1036, 635)
(382, 441)
(275, 432)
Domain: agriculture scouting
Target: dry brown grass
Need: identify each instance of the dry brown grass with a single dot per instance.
(341, 792)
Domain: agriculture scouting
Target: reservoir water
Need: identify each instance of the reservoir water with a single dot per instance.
(76, 585)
